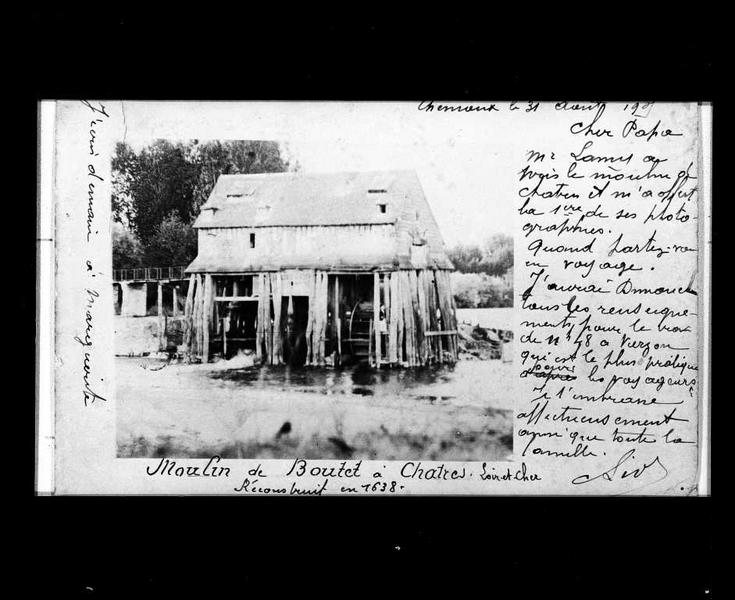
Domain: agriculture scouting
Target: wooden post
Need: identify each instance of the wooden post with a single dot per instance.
(445, 305)
(376, 316)
(418, 331)
(196, 317)
(206, 313)
(410, 334)
(370, 344)
(386, 303)
(453, 312)
(399, 317)
(260, 320)
(393, 353)
(322, 315)
(193, 332)
(267, 318)
(310, 319)
(423, 321)
(337, 322)
(175, 311)
(316, 331)
(224, 339)
(188, 322)
(277, 287)
(438, 323)
(161, 330)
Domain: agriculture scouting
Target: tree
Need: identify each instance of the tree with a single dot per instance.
(127, 252)
(173, 243)
(160, 179)
(159, 189)
(498, 254)
(124, 163)
(233, 157)
(480, 279)
(466, 259)
(494, 258)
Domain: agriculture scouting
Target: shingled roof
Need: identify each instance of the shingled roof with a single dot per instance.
(323, 199)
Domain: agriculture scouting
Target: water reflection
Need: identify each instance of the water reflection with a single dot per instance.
(358, 380)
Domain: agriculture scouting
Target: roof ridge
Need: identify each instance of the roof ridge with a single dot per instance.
(315, 173)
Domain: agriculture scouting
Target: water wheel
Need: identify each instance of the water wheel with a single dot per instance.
(361, 330)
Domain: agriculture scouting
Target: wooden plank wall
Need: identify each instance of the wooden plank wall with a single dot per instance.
(316, 325)
(415, 302)
(187, 316)
(411, 299)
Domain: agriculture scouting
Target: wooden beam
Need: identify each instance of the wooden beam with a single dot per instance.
(197, 312)
(410, 333)
(277, 292)
(423, 321)
(376, 317)
(261, 352)
(393, 354)
(161, 330)
(224, 339)
(322, 315)
(236, 298)
(206, 314)
(399, 319)
(417, 325)
(188, 321)
(267, 318)
(337, 322)
(310, 319)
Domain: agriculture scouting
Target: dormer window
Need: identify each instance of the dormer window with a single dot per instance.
(382, 208)
(243, 192)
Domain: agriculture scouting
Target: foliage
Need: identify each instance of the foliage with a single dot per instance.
(478, 290)
(484, 276)
(173, 243)
(127, 253)
(495, 257)
(159, 190)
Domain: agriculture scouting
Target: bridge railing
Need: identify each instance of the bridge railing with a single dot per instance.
(148, 273)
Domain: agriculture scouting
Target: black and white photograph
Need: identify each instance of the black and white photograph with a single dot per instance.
(430, 297)
(276, 299)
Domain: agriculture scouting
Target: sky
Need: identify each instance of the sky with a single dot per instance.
(457, 180)
(466, 163)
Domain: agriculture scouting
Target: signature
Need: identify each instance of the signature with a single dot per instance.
(617, 471)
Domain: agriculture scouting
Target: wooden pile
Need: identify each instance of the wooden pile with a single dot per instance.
(316, 324)
(416, 334)
(268, 334)
(199, 312)
(419, 310)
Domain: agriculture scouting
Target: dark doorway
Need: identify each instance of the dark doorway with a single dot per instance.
(294, 316)
(239, 318)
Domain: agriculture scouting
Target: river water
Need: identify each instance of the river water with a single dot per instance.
(449, 412)
(472, 382)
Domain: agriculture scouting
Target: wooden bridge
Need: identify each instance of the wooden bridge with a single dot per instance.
(147, 274)
(131, 289)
